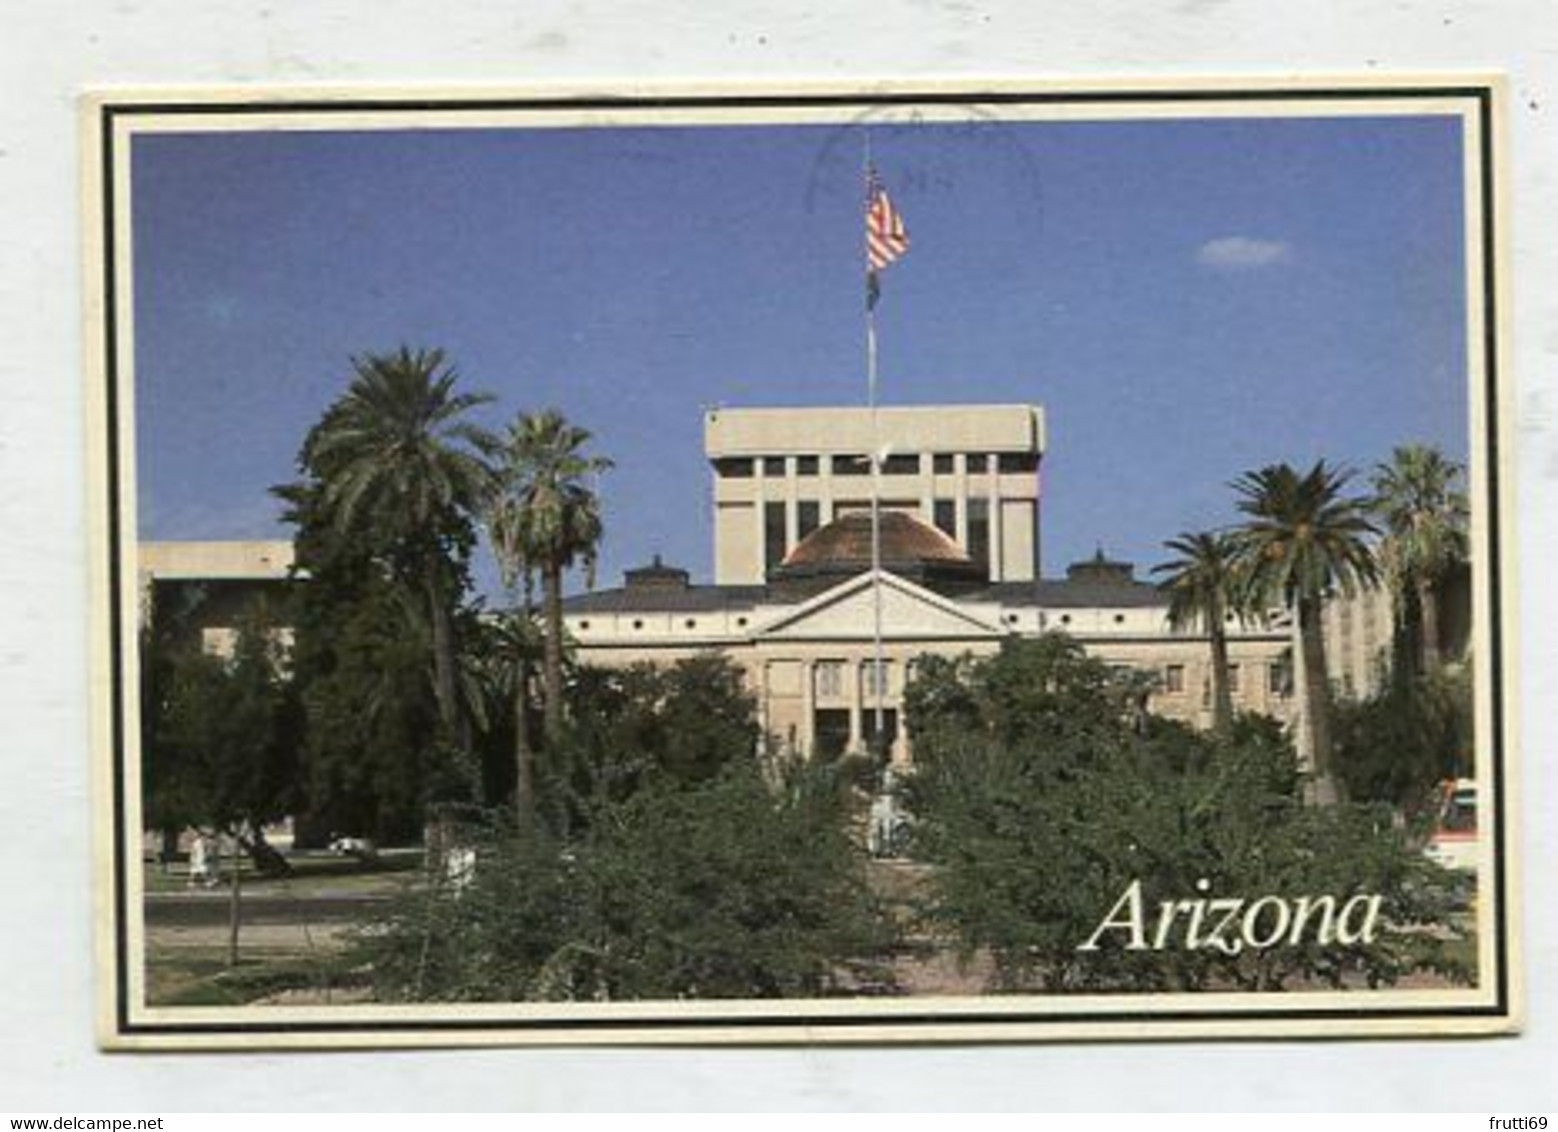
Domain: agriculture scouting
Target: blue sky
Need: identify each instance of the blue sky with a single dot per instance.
(1187, 299)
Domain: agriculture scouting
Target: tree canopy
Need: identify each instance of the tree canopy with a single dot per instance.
(1302, 539)
(1035, 832)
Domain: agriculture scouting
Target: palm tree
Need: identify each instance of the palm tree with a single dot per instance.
(1425, 519)
(545, 517)
(1303, 540)
(396, 463)
(1203, 588)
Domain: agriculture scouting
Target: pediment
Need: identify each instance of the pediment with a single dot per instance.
(909, 612)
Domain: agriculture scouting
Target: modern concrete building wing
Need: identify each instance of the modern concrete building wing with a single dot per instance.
(209, 586)
(970, 471)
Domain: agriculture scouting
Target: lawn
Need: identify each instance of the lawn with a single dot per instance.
(200, 976)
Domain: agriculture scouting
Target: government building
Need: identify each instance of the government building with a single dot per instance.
(794, 600)
(795, 603)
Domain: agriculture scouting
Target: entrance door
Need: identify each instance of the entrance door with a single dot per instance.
(830, 726)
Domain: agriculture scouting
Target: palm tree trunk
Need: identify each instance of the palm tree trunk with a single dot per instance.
(524, 750)
(1428, 625)
(1317, 701)
(444, 689)
(1222, 693)
(552, 654)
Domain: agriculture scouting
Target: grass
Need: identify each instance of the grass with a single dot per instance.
(200, 976)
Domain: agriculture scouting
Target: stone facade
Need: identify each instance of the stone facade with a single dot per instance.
(797, 605)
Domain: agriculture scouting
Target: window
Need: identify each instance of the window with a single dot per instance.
(733, 468)
(851, 466)
(830, 679)
(638, 624)
(806, 465)
(879, 744)
(1279, 681)
(1010, 463)
(691, 623)
(583, 625)
(1174, 679)
(941, 463)
(876, 681)
(1233, 679)
(901, 465)
(773, 535)
(773, 465)
(979, 531)
(807, 518)
(830, 730)
(946, 517)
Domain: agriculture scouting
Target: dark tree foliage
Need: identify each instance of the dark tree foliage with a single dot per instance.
(164, 640)
(1416, 731)
(1045, 695)
(1039, 800)
(677, 725)
(732, 887)
(223, 739)
(385, 532)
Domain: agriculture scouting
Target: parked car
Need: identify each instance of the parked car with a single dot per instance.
(362, 848)
(1453, 842)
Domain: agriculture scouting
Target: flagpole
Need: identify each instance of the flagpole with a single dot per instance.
(878, 675)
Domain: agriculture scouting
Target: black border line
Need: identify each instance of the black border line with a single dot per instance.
(1490, 342)
(1480, 93)
(115, 558)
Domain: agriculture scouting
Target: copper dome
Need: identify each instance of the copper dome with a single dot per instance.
(909, 548)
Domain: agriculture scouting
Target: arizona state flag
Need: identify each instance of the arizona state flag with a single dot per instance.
(886, 237)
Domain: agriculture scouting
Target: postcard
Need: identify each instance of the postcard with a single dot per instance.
(991, 561)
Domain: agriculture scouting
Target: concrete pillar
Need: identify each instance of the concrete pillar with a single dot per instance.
(808, 729)
(857, 706)
(927, 489)
(960, 496)
(825, 488)
(997, 527)
(791, 513)
(760, 520)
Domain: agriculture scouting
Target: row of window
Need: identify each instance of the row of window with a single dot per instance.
(901, 464)
(1279, 681)
(830, 677)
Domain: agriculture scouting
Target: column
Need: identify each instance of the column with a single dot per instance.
(807, 733)
(824, 488)
(760, 520)
(791, 519)
(927, 489)
(857, 705)
(997, 528)
(960, 495)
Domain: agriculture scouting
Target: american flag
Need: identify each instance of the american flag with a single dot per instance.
(886, 237)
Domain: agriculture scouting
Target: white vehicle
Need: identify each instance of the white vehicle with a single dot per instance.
(360, 847)
(1454, 842)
